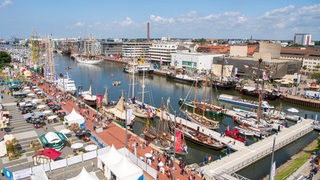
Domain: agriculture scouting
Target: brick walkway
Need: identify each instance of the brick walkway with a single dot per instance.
(116, 135)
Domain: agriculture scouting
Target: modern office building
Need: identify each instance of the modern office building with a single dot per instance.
(161, 53)
(302, 39)
(135, 50)
(112, 48)
(192, 61)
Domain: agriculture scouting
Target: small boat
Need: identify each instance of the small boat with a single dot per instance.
(294, 118)
(234, 134)
(184, 78)
(116, 83)
(68, 68)
(244, 131)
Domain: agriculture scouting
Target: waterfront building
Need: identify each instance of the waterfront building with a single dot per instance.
(161, 53)
(192, 61)
(135, 50)
(310, 57)
(302, 39)
(112, 48)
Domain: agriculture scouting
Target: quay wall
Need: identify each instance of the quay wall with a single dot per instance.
(301, 101)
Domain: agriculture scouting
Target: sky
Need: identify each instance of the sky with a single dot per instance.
(212, 19)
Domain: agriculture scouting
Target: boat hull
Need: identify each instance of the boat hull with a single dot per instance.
(185, 81)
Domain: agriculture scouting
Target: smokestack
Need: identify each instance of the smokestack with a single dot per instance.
(148, 27)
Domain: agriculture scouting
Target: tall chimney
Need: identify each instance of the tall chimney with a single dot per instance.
(148, 27)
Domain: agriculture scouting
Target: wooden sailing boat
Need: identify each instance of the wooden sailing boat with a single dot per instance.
(201, 119)
(204, 107)
(119, 111)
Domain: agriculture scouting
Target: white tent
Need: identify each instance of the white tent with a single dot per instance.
(3, 148)
(106, 160)
(74, 117)
(39, 175)
(125, 170)
(84, 175)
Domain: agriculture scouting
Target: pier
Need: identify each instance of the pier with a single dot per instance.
(224, 168)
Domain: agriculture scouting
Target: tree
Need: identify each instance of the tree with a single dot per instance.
(316, 76)
(4, 58)
(304, 67)
(317, 67)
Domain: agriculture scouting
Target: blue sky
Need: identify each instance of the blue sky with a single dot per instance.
(214, 19)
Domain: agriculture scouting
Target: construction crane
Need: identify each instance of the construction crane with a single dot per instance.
(35, 49)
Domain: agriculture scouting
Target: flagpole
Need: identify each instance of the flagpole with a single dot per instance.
(271, 176)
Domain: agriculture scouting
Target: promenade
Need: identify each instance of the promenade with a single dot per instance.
(246, 156)
(116, 135)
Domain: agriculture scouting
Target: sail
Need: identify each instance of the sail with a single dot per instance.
(105, 97)
(178, 141)
(90, 90)
(120, 104)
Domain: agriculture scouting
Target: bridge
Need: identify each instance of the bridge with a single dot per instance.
(228, 165)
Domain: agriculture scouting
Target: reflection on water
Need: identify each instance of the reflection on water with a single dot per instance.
(157, 89)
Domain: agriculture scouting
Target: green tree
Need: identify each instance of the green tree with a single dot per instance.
(5, 58)
(304, 67)
(317, 67)
(316, 76)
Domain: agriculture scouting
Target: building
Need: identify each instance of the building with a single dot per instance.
(161, 53)
(310, 57)
(238, 51)
(191, 61)
(135, 50)
(111, 48)
(247, 66)
(302, 39)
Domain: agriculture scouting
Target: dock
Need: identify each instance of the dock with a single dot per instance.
(222, 169)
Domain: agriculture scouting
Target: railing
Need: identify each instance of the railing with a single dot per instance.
(279, 144)
(24, 173)
(144, 166)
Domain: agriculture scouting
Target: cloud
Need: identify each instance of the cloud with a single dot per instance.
(79, 24)
(5, 3)
(161, 20)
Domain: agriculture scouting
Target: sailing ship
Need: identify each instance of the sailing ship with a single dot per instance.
(91, 52)
(223, 76)
(270, 94)
(88, 98)
(202, 106)
(139, 108)
(119, 112)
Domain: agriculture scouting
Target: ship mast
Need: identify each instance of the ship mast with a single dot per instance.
(259, 92)
(49, 63)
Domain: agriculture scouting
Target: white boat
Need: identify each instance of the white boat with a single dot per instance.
(248, 103)
(66, 84)
(88, 60)
(90, 53)
(294, 118)
(88, 97)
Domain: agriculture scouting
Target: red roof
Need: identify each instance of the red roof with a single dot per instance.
(50, 153)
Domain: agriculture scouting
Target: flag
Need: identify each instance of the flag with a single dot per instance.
(273, 171)
(160, 60)
(235, 71)
(168, 101)
(178, 141)
(99, 100)
(264, 75)
(128, 116)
